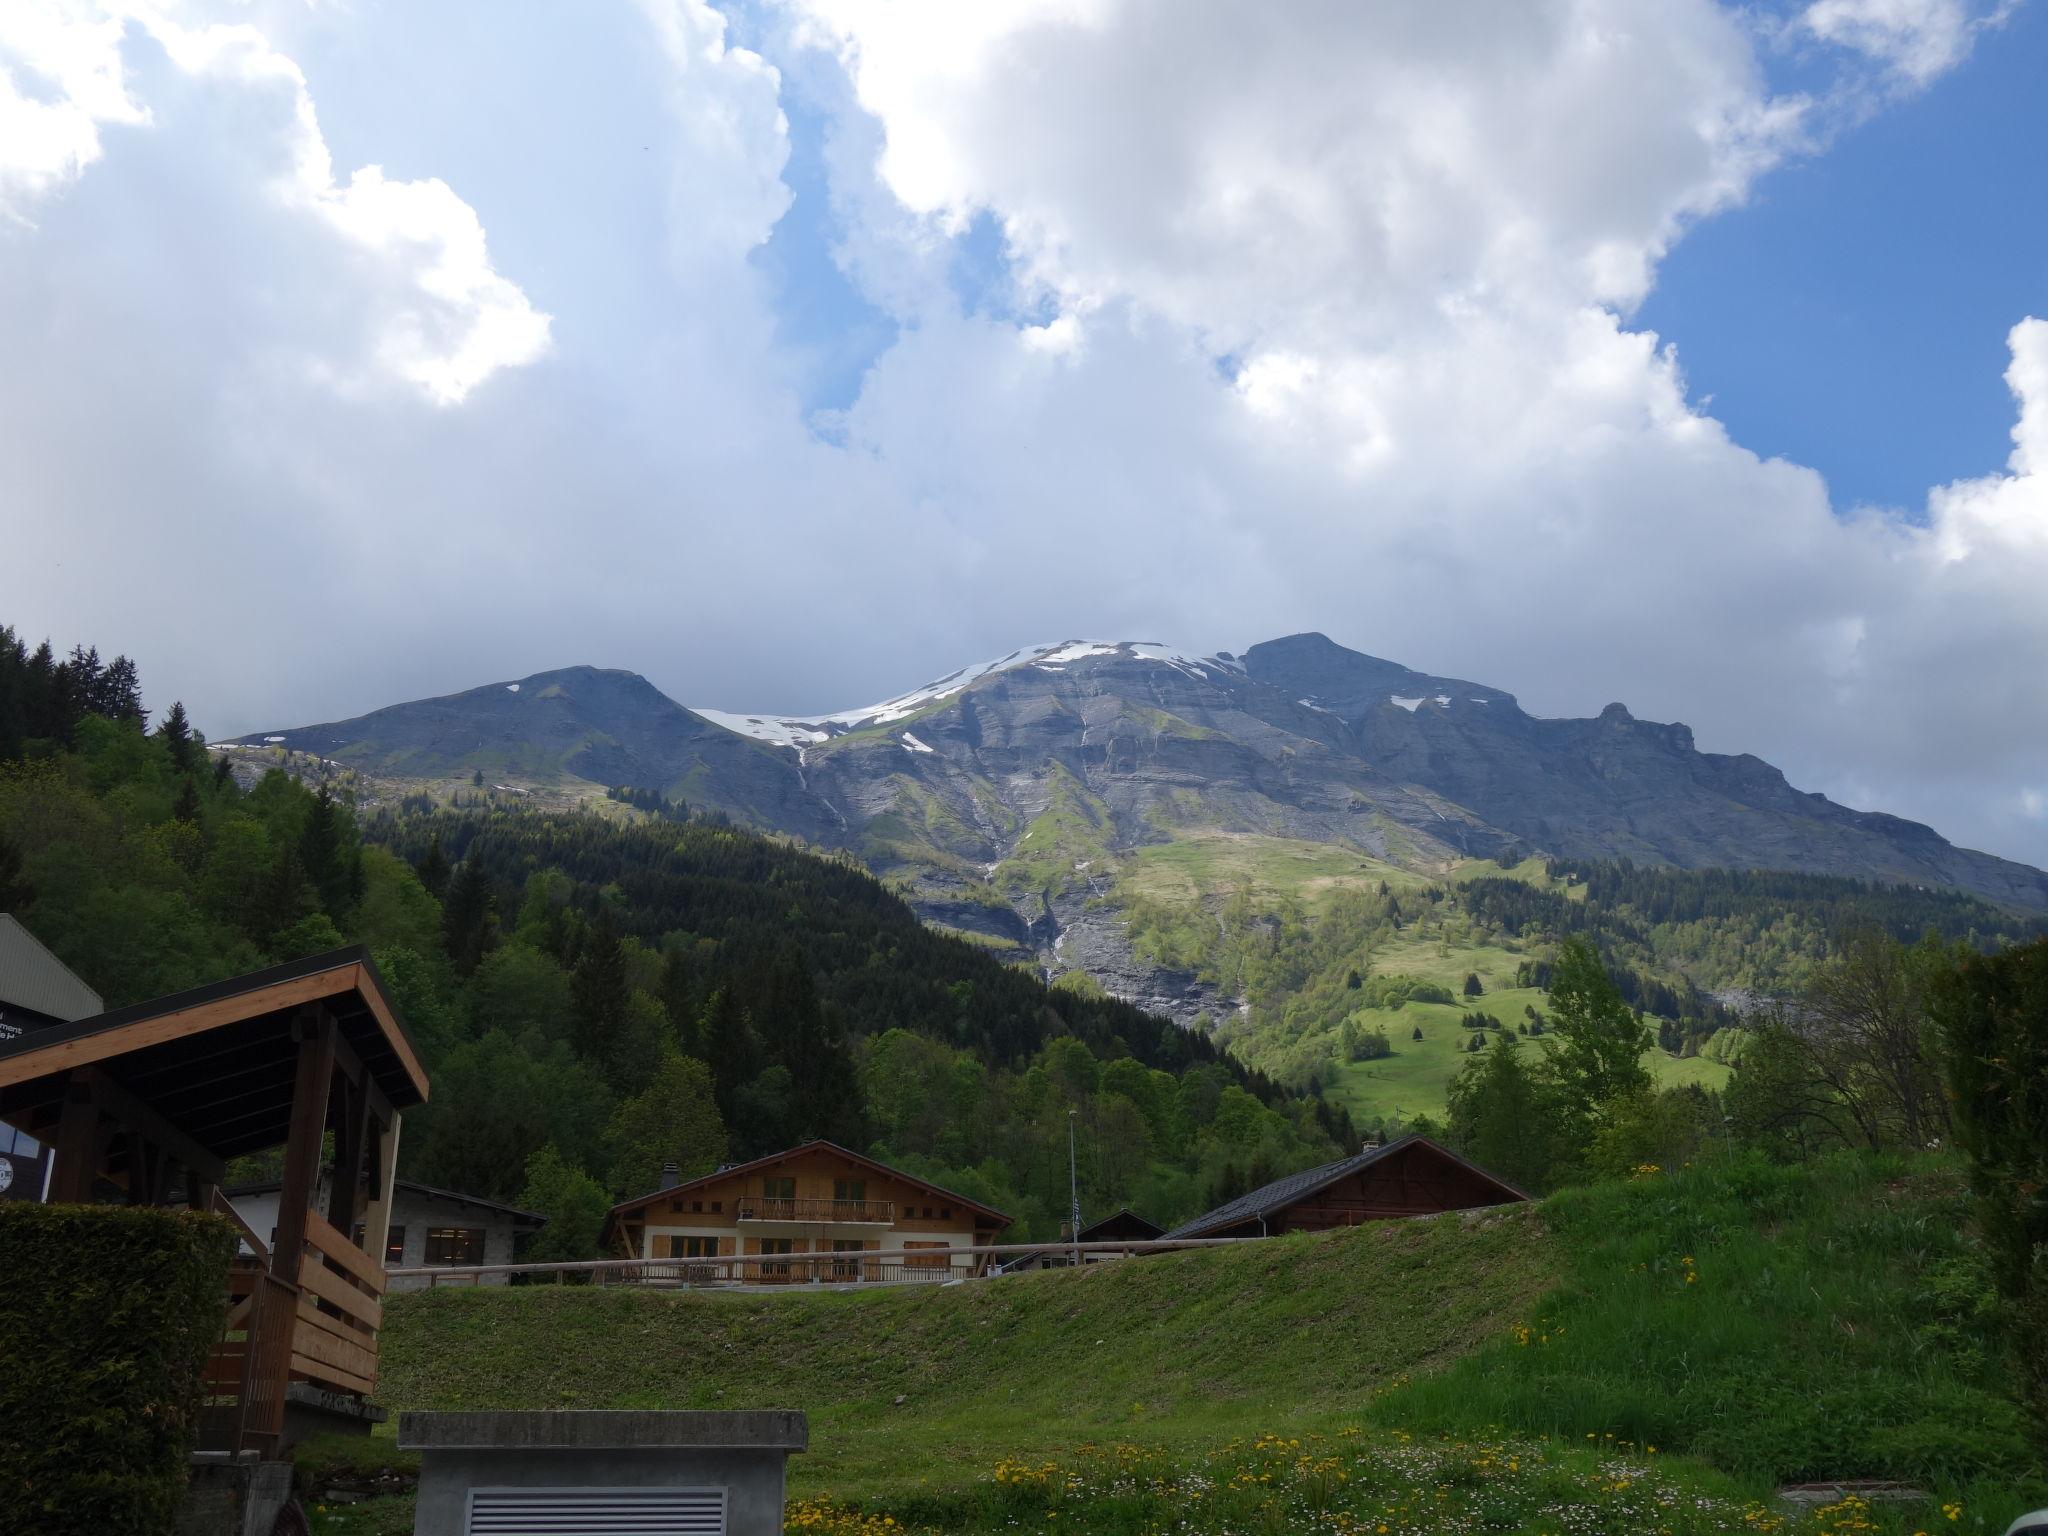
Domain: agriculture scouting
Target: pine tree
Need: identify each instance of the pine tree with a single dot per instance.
(121, 692)
(176, 733)
(324, 853)
(186, 808)
(433, 868)
(466, 916)
(598, 991)
(1473, 986)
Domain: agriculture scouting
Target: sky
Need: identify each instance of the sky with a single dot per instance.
(793, 352)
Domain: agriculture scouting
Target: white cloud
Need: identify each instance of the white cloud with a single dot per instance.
(60, 78)
(435, 313)
(1324, 326)
(1917, 40)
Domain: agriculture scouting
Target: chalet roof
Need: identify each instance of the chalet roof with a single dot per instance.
(32, 978)
(218, 1061)
(1281, 1193)
(740, 1170)
(531, 1220)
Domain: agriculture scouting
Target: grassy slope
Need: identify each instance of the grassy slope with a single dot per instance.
(1202, 860)
(1415, 1078)
(1834, 1330)
(1180, 1349)
(1784, 1323)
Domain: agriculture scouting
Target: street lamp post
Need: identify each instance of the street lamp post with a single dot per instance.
(1073, 1188)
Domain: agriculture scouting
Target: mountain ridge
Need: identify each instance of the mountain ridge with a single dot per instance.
(1019, 797)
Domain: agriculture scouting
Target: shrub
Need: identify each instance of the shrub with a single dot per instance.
(1992, 1012)
(106, 1317)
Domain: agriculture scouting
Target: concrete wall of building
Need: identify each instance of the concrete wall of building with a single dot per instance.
(413, 1214)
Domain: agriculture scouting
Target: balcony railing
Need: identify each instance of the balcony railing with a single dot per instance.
(806, 1209)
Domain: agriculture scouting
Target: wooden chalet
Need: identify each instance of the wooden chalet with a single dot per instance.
(1410, 1177)
(145, 1106)
(767, 1221)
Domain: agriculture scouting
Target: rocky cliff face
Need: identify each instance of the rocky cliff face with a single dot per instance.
(1615, 786)
(1007, 796)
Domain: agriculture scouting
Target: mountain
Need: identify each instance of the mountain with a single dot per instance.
(577, 731)
(1030, 799)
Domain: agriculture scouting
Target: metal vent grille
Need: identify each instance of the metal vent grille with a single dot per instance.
(597, 1512)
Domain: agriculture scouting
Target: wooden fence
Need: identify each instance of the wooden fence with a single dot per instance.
(777, 1271)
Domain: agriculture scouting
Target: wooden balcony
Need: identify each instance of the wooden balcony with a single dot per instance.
(809, 1211)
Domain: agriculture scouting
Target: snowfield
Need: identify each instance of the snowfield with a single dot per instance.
(799, 731)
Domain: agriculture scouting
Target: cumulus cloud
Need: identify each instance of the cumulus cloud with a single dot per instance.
(1320, 320)
(438, 316)
(60, 78)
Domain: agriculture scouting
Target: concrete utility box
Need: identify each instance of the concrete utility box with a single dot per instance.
(656, 1474)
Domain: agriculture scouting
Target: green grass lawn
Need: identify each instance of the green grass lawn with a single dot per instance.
(1507, 1371)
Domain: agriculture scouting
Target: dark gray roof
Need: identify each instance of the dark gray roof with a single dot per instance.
(33, 978)
(519, 1217)
(1281, 1193)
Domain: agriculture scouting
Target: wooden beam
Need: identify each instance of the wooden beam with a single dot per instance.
(315, 1029)
(83, 1050)
(383, 1173)
(388, 1022)
(122, 1105)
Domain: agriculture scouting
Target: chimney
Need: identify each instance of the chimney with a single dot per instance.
(671, 1176)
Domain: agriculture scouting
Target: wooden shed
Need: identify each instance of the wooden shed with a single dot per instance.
(1409, 1177)
(145, 1105)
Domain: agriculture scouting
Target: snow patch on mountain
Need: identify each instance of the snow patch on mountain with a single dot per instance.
(797, 731)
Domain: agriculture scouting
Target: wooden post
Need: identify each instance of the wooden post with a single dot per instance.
(351, 1138)
(77, 1154)
(315, 1030)
(383, 1170)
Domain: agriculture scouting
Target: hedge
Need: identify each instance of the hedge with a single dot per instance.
(106, 1317)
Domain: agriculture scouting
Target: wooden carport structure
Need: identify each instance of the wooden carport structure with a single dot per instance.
(145, 1105)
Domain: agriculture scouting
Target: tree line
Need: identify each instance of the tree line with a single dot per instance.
(593, 1000)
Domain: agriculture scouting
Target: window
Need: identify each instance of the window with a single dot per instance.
(849, 1189)
(771, 1247)
(717, 1206)
(394, 1242)
(846, 1269)
(945, 1213)
(778, 1188)
(455, 1245)
(697, 1205)
(692, 1248)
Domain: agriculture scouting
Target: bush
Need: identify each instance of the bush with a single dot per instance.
(106, 1317)
(1992, 1012)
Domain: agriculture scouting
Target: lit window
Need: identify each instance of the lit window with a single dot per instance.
(455, 1245)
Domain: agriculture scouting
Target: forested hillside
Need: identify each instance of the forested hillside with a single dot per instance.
(595, 999)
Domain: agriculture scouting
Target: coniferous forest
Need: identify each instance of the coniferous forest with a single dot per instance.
(595, 998)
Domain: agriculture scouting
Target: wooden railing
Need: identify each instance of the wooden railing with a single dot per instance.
(776, 1270)
(808, 1208)
(242, 1389)
(340, 1309)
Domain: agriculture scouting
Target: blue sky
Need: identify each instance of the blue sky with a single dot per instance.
(1853, 316)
